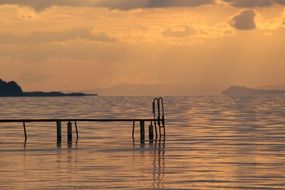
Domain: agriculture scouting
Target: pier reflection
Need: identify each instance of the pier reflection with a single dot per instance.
(158, 163)
(152, 158)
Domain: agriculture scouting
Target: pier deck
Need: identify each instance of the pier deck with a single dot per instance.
(158, 120)
(71, 119)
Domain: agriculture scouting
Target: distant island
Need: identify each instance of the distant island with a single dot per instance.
(12, 89)
(244, 91)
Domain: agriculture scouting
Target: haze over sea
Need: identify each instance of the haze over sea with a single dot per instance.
(215, 142)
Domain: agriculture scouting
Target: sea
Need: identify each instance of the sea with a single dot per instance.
(212, 142)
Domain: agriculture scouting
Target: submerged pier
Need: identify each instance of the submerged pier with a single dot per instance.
(156, 126)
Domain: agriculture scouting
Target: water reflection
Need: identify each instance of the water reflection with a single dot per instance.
(212, 143)
(159, 164)
(58, 144)
(155, 151)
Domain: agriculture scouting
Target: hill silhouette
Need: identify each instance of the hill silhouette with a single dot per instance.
(244, 91)
(12, 89)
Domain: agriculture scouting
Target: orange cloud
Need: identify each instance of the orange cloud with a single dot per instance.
(187, 31)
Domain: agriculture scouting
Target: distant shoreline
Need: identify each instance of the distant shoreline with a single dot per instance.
(244, 91)
(12, 89)
(55, 94)
(49, 94)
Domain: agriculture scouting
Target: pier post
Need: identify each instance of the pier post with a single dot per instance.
(142, 131)
(133, 131)
(76, 128)
(58, 132)
(69, 132)
(150, 132)
(25, 132)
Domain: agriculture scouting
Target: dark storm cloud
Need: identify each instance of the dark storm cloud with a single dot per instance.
(244, 20)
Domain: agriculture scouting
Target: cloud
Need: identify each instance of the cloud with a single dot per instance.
(75, 50)
(244, 20)
(282, 2)
(40, 5)
(50, 37)
(112, 4)
(131, 4)
(178, 33)
(249, 3)
(254, 3)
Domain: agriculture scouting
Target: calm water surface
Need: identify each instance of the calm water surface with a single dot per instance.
(211, 143)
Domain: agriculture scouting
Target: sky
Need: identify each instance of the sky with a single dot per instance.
(82, 45)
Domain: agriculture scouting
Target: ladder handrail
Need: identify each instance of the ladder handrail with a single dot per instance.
(158, 110)
(162, 106)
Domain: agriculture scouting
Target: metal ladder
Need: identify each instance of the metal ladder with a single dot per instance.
(158, 114)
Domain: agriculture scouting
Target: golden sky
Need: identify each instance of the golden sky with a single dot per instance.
(89, 44)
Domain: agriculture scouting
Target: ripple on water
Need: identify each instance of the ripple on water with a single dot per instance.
(212, 143)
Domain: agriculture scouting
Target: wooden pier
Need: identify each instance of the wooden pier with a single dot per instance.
(156, 124)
